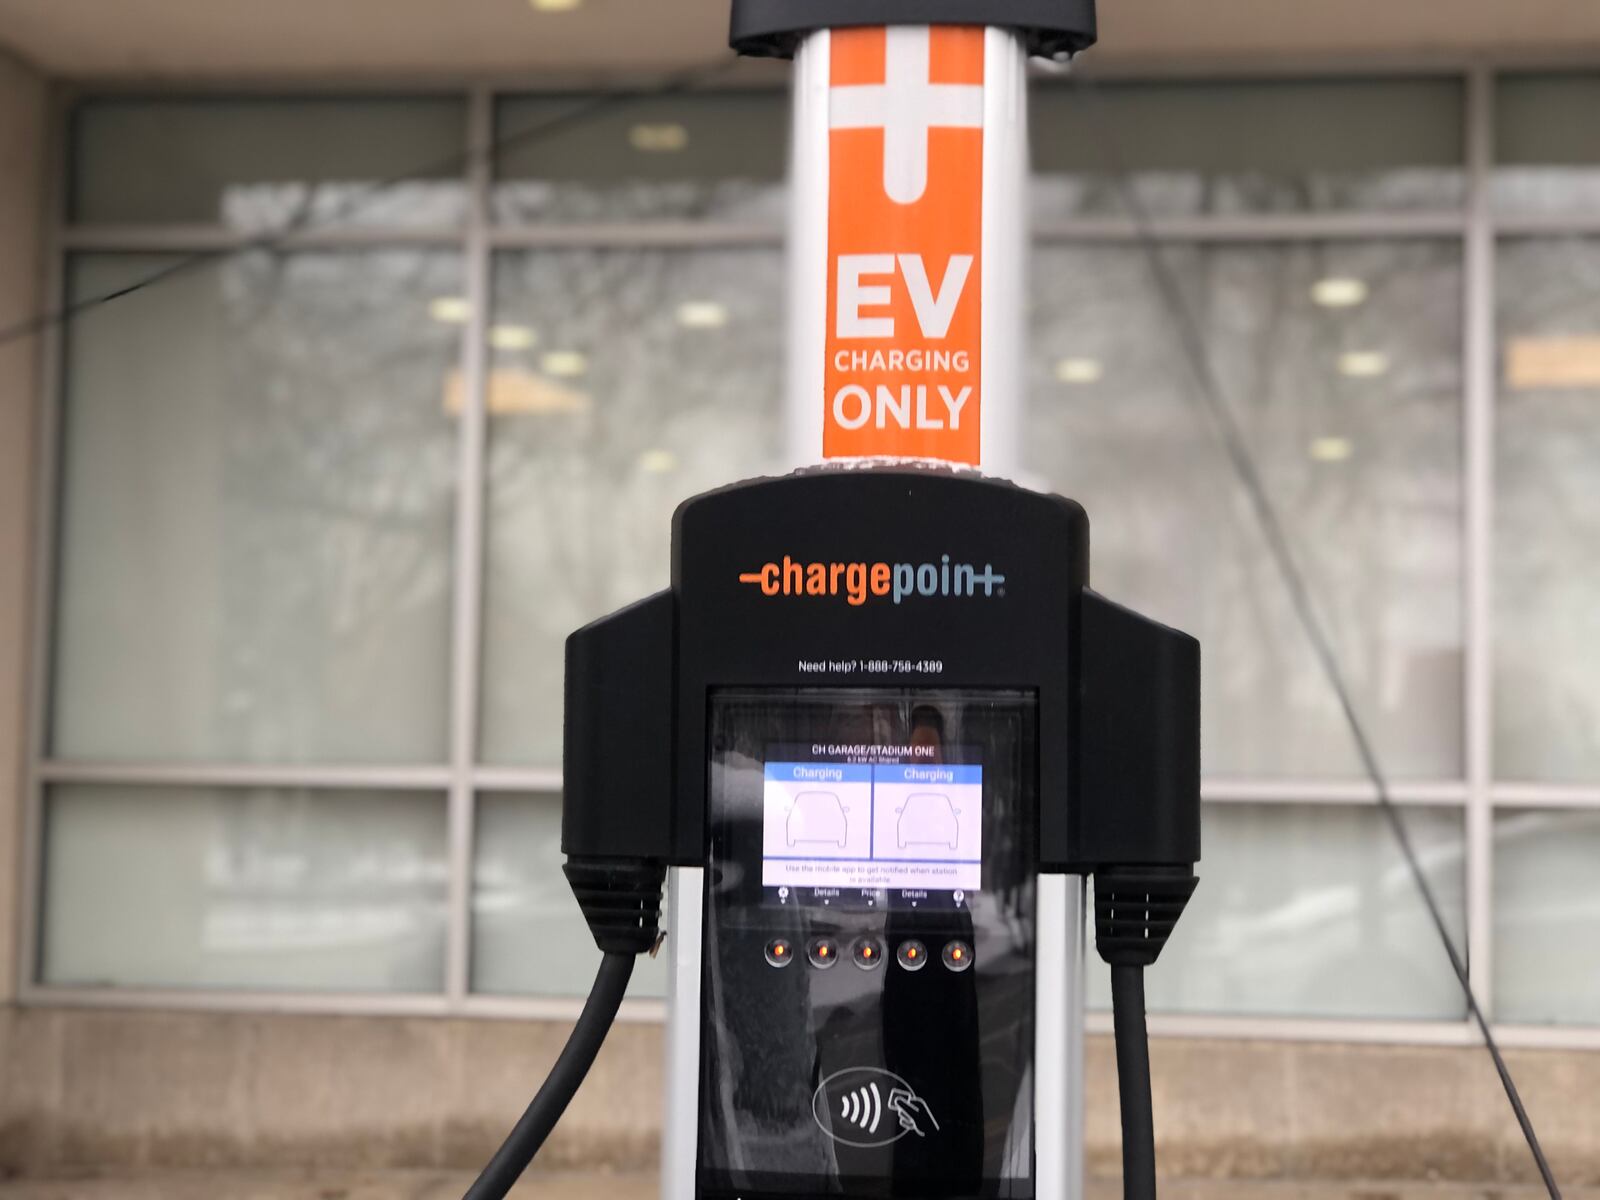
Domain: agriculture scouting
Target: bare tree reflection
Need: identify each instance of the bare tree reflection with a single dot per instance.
(580, 502)
(1379, 532)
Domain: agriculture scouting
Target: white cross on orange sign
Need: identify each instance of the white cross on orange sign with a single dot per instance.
(906, 105)
(905, 217)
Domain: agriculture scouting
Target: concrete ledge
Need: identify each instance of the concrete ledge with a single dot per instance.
(113, 1089)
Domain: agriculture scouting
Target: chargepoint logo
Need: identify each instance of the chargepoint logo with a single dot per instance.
(859, 582)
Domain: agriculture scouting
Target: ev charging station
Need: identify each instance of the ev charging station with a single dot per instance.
(880, 730)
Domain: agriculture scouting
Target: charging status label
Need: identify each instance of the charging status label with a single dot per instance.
(872, 826)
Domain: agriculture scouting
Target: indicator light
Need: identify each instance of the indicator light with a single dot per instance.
(957, 956)
(867, 952)
(912, 955)
(779, 952)
(823, 952)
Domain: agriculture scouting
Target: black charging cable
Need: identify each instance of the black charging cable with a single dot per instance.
(621, 900)
(577, 1056)
(1133, 1084)
(1135, 909)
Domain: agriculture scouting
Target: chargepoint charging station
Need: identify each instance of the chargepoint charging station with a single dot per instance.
(880, 730)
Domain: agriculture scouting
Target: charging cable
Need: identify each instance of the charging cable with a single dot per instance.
(1135, 909)
(621, 900)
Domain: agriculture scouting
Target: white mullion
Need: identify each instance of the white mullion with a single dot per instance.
(29, 903)
(650, 1011)
(1545, 795)
(1439, 793)
(239, 1000)
(466, 625)
(635, 1010)
(662, 234)
(517, 779)
(1257, 227)
(1250, 1027)
(1442, 793)
(1549, 1037)
(197, 239)
(1556, 224)
(1478, 550)
(261, 775)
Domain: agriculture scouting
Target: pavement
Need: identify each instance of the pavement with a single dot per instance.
(309, 1184)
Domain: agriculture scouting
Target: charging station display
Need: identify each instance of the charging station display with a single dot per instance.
(871, 824)
(871, 894)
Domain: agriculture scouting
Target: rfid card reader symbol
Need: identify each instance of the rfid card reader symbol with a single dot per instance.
(869, 1106)
(862, 1107)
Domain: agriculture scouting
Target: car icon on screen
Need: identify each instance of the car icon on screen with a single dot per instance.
(928, 819)
(817, 817)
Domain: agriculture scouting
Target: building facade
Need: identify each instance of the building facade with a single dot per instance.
(344, 405)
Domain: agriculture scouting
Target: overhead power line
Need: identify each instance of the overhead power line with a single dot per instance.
(305, 220)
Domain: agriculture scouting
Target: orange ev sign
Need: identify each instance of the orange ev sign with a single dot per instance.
(905, 234)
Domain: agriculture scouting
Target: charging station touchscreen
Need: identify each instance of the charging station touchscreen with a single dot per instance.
(871, 824)
(868, 989)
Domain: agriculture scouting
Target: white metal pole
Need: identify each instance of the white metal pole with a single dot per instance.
(907, 158)
(680, 1116)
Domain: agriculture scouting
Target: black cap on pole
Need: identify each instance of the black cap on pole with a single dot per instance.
(773, 28)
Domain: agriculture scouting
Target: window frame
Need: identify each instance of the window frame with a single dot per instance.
(1475, 227)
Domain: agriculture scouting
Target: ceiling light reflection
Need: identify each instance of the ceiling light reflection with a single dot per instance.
(1331, 449)
(512, 337)
(564, 364)
(1339, 291)
(666, 137)
(450, 310)
(1079, 370)
(702, 314)
(1363, 364)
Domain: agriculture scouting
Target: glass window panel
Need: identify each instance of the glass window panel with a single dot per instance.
(1547, 143)
(720, 155)
(1547, 512)
(622, 383)
(1311, 911)
(1546, 916)
(1249, 147)
(528, 935)
(170, 887)
(255, 510)
(258, 163)
(1353, 414)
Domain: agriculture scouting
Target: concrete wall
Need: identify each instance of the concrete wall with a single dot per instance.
(22, 158)
(114, 1088)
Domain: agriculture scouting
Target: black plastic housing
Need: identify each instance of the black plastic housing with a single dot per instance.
(1019, 635)
(621, 902)
(618, 736)
(1118, 693)
(1138, 795)
(773, 28)
(1135, 910)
